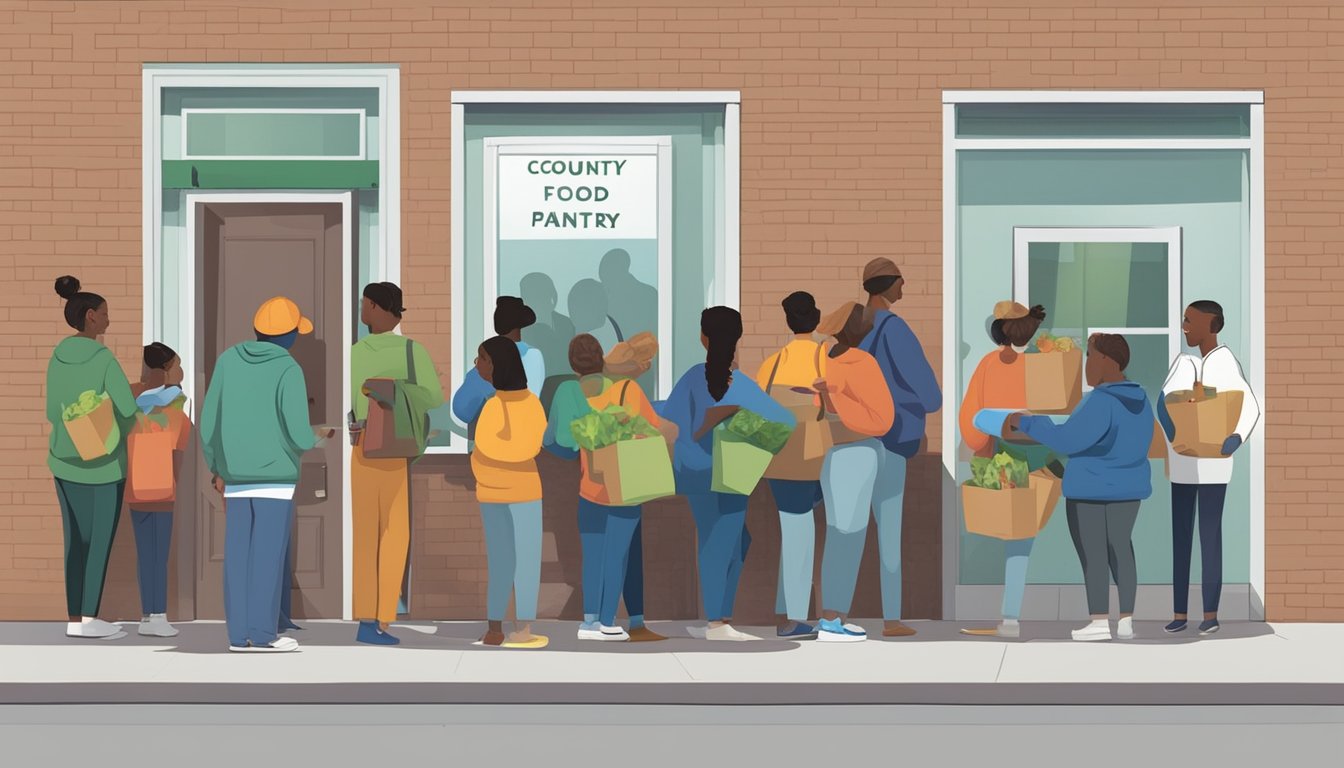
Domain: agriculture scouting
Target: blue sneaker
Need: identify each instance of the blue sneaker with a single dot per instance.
(799, 631)
(370, 633)
(833, 631)
(1177, 625)
(1208, 626)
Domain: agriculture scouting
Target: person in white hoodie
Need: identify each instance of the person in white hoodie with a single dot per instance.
(1200, 484)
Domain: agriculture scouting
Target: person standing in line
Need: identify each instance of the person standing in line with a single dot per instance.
(159, 397)
(1200, 484)
(511, 317)
(381, 487)
(853, 390)
(1107, 440)
(798, 365)
(1000, 381)
(503, 461)
(254, 429)
(706, 395)
(606, 532)
(89, 492)
(915, 392)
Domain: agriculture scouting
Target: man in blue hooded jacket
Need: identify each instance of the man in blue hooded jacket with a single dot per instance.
(1106, 440)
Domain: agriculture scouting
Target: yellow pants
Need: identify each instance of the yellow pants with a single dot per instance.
(382, 534)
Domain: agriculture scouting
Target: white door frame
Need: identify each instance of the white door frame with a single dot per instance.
(386, 261)
(1023, 237)
(659, 146)
(1255, 146)
(188, 292)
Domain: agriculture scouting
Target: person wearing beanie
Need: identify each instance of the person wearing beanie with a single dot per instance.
(258, 390)
(89, 491)
(511, 317)
(916, 393)
(380, 488)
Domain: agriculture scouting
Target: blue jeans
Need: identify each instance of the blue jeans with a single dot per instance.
(721, 534)
(1208, 499)
(605, 535)
(513, 558)
(634, 572)
(153, 534)
(889, 513)
(847, 479)
(256, 538)
(1017, 555)
(797, 545)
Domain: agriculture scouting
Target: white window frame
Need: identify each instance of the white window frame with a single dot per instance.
(1254, 144)
(386, 79)
(1023, 237)
(363, 132)
(657, 146)
(726, 286)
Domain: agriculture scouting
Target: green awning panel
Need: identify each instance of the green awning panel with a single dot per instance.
(270, 174)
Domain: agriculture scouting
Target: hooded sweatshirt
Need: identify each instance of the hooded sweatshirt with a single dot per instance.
(383, 355)
(908, 375)
(508, 439)
(254, 422)
(1107, 442)
(79, 365)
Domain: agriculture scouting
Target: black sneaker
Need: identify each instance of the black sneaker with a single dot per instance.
(1208, 626)
(1177, 625)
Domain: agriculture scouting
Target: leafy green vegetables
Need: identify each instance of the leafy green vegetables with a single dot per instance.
(599, 429)
(1004, 471)
(87, 403)
(755, 429)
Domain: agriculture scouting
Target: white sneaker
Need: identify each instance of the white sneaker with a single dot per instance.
(96, 629)
(281, 645)
(699, 632)
(1097, 631)
(1125, 629)
(603, 634)
(729, 633)
(157, 626)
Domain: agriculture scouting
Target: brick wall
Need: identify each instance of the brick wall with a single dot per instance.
(840, 163)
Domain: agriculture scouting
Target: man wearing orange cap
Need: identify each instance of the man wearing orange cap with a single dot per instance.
(259, 391)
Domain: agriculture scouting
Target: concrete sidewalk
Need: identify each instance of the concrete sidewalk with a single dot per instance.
(1246, 663)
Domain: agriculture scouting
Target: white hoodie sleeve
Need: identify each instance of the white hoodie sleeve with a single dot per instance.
(1181, 376)
(1223, 371)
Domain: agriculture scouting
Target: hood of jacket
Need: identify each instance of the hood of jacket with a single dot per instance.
(1131, 396)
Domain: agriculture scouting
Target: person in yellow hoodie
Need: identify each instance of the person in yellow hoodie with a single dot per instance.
(380, 487)
(509, 434)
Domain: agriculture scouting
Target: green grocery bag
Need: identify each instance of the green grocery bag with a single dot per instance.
(634, 471)
(738, 465)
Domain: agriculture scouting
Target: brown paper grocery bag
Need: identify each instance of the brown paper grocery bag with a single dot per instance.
(1048, 489)
(1157, 449)
(1007, 514)
(802, 456)
(96, 433)
(1054, 381)
(1203, 426)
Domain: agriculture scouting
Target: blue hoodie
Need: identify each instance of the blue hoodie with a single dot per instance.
(693, 460)
(1106, 441)
(914, 389)
(469, 399)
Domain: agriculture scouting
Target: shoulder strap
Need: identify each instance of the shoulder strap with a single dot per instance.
(619, 336)
(624, 388)
(410, 361)
(771, 381)
(878, 333)
(816, 362)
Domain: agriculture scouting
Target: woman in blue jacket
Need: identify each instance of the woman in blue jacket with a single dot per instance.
(706, 395)
(1107, 442)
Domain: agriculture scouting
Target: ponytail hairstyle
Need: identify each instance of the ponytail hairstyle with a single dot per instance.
(722, 326)
(78, 304)
(158, 355)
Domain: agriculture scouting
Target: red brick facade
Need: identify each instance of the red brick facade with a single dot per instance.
(841, 162)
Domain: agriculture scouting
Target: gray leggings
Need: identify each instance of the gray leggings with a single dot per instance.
(1101, 533)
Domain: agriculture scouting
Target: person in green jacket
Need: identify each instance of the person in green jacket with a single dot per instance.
(380, 487)
(254, 429)
(89, 491)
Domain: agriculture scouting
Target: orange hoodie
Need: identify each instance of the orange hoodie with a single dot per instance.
(995, 384)
(859, 393)
(508, 439)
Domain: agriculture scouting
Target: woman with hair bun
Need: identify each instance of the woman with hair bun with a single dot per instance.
(797, 366)
(89, 491)
(706, 395)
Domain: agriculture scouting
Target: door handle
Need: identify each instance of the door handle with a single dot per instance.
(320, 492)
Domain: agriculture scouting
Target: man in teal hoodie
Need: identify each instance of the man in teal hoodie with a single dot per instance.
(254, 429)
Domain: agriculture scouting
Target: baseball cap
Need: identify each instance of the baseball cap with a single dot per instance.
(278, 316)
